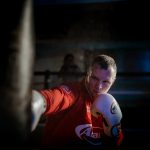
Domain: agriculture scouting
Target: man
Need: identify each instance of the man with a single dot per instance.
(68, 110)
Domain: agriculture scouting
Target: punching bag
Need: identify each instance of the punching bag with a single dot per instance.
(16, 67)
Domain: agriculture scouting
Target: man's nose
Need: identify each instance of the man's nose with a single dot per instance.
(99, 84)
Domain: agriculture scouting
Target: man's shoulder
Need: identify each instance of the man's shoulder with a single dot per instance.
(75, 86)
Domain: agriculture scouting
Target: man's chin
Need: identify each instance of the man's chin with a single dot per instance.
(98, 93)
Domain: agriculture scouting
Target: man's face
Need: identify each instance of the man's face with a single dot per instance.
(100, 80)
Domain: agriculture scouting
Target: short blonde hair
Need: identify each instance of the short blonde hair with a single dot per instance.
(105, 62)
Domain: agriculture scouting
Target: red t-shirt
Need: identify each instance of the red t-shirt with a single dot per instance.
(68, 118)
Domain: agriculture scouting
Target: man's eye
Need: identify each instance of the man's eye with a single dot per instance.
(106, 82)
(94, 78)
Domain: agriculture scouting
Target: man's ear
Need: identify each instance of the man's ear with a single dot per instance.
(114, 80)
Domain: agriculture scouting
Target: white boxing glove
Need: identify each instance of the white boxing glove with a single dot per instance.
(38, 107)
(106, 105)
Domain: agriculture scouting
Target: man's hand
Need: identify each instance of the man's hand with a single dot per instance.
(38, 107)
(107, 106)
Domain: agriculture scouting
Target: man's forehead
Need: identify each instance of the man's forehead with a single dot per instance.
(97, 70)
(98, 67)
